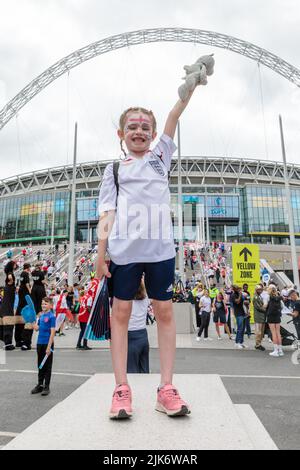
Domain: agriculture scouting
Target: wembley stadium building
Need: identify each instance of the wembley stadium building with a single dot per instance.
(243, 200)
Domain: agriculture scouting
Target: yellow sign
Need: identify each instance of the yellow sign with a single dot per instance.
(246, 268)
(245, 264)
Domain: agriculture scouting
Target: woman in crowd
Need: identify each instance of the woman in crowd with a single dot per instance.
(7, 319)
(38, 291)
(219, 309)
(205, 311)
(274, 320)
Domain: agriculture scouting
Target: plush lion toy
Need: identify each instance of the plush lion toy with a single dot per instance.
(196, 74)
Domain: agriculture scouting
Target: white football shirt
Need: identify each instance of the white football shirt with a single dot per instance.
(138, 315)
(142, 231)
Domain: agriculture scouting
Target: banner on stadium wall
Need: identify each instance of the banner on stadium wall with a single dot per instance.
(246, 267)
(45, 207)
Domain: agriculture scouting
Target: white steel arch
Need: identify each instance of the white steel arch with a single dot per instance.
(198, 36)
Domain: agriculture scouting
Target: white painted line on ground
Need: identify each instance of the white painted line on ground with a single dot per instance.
(53, 373)
(260, 377)
(279, 377)
(73, 375)
(9, 434)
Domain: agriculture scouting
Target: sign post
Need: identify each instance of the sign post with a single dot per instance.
(246, 266)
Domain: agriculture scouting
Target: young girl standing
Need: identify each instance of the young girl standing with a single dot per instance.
(135, 226)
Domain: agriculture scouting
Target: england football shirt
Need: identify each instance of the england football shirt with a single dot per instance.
(142, 230)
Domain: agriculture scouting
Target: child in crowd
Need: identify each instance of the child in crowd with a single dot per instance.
(45, 346)
(86, 302)
(138, 344)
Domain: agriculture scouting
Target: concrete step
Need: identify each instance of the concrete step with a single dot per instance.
(81, 420)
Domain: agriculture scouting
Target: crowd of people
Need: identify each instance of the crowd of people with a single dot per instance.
(227, 306)
(47, 277)
(230, 306)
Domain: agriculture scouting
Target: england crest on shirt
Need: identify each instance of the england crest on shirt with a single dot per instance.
(157, 167)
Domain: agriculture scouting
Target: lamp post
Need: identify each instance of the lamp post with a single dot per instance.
(72, 218)
(289, 210)
(180, 215)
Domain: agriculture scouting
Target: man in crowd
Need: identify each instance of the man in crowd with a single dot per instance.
(259, 317)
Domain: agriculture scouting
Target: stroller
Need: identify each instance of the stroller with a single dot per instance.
(288, 338)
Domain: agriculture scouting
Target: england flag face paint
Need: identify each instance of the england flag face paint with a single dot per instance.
(138, 133)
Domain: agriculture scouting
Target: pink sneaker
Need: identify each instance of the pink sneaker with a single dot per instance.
(121, 403)
(169, 401)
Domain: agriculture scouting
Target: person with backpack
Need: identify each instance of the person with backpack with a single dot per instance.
(146, 248)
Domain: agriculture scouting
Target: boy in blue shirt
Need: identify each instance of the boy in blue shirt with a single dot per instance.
(45, 343)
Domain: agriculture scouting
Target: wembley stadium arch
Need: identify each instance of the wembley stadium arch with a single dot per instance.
(244, 199)
(144, 36)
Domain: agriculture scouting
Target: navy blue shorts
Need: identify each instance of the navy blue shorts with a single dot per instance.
(126, 279)
(220, 317)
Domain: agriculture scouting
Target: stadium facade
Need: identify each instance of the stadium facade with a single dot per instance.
(243, 200)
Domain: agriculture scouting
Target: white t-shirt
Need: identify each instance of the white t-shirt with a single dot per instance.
(265, 296)
(206, 304)
(138, 315)
(142, 231)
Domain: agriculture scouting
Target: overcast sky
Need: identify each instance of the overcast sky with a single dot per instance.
(224, 118)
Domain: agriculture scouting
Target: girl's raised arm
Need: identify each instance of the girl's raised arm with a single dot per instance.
(174, 115)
